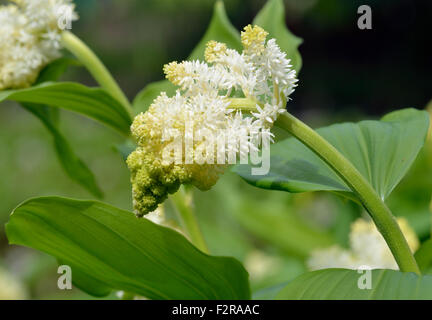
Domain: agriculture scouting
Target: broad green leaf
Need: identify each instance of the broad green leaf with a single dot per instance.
(145, 97)
(95, 103)
(342, 284)
(382, 151)
(54, 70)
(111, 248)
(268, 293)
(220, 29)
(272, 19)
(424, 256)
(89, 284)
(75, 168)
(125, 148)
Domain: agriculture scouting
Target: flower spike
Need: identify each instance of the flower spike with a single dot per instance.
(192, 137)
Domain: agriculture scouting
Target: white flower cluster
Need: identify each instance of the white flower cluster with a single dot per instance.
(30, 38)
(261, 74)
(368, 249)
(208, 104)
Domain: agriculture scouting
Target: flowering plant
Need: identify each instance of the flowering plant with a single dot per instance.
(216, 112)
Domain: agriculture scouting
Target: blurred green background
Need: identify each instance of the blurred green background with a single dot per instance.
(347, 74)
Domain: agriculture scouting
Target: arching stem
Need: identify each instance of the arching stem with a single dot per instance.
(95, 66)
(375, 206)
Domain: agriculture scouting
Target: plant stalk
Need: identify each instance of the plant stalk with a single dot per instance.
(93, 64)
(183, 203)
(376, 207)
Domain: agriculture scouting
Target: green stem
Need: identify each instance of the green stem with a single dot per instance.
(378, 210)
(183, 202)
(243, 104)
(97, 69)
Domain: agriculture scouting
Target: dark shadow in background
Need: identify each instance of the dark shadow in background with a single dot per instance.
(375, 71)
(346, 71)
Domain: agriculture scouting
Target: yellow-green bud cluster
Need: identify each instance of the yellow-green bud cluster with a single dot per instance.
(152, 177)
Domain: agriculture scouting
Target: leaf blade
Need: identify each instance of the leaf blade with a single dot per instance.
(272, 19)
(74, 167)
(399, 136)
(145, 97)
(123, 252)
(424, 256)
(94, 103)
(342, 284)
(220, 29)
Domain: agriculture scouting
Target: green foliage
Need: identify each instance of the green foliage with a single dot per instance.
(382, 151)
(272, 19)
(145, 97)
(342, 284)
(273, 219)
(221, 30)
(125, 148)
(283, 229)
(412, 198)
(109, 248)
(74, 167)
(94, 103)
(424, 257)
(54, 70)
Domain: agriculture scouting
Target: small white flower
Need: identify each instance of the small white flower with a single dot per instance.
(367, 248)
